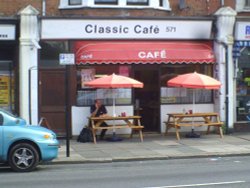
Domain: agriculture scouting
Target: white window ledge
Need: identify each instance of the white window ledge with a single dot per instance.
(114, 7)
(244, 10)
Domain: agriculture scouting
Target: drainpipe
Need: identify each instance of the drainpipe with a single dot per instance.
(226, 90)
(43, 7)
(222, 3)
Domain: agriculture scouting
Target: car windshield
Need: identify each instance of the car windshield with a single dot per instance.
(6, 112)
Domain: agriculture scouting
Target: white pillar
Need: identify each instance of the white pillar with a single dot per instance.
(223, 46)
(28, 57)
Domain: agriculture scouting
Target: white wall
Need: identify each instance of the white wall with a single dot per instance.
(80, 116)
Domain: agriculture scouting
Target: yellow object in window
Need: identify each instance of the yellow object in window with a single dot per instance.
(247, 80)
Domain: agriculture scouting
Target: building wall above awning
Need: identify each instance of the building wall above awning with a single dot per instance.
(144, 52)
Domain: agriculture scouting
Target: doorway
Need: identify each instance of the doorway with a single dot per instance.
(52, 99)
(148, 97)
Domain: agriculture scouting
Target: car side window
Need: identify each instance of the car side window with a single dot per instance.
(1, 119)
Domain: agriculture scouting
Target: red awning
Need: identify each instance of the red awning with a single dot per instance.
(145, 52)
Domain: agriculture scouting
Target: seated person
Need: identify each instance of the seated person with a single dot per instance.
(98, 110)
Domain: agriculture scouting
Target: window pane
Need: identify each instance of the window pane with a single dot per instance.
(137, 2)
(171, 95)
(50, 53)
(87, 95)
(75, 2)
(7, 86)
(243, 86)
(247, 3)
(110, 2)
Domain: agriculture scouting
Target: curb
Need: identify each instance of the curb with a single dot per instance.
(145, 158)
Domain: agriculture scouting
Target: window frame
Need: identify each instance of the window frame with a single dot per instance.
(242, 6)
(247, 3)
(152, 4)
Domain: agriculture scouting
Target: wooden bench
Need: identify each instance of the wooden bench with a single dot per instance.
(132, 122)
(188, 120)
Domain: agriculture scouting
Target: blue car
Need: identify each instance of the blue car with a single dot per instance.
(24, 146)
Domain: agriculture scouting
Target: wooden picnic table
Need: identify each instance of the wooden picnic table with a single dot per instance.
(132, 122)
(177, 120)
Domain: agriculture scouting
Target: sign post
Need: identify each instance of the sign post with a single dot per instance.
(67, 59)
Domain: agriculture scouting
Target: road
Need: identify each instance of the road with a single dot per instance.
(197, 172)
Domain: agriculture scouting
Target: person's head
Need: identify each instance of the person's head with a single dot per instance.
(98, 102)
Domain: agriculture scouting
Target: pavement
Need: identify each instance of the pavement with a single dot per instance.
(154, 147)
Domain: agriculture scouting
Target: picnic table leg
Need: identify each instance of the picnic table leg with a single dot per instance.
(208, 129)
(221, 132)
(131, 134)
(168, 125)
(141, 136)
(94, 135)
(177, 132)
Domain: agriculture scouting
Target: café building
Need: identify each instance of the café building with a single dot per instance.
(149, 50)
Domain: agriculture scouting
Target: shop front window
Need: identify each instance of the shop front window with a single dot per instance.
(171, 95)
(243, 86)
(50, 53)
(7, 86)
(87, 95)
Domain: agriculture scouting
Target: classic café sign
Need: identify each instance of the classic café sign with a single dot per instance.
(125, 29)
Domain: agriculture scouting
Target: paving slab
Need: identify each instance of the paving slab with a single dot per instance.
(155, 146)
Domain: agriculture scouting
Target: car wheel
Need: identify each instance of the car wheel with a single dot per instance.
(23, 157)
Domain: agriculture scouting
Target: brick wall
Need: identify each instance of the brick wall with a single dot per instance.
(194, 8)
(12, 7)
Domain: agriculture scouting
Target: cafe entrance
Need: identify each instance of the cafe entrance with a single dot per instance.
(147, 99)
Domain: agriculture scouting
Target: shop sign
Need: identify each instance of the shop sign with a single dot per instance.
(153, 54)
(7, 32)
(242, 31)
(125, 29)
(67, 59)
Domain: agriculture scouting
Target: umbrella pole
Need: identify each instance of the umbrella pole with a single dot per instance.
(192, 134)
(114, 138)
(114, 115)
(193, 110)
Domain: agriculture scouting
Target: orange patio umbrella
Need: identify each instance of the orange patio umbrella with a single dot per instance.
(114, 81)
(194, 81)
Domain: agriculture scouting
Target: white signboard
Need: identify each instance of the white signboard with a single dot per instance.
(67, 59)
(7, 32)
(125, 29)
(242, 31)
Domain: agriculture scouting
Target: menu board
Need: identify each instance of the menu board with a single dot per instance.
(86, 76)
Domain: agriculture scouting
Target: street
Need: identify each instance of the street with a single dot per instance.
(196, 172)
